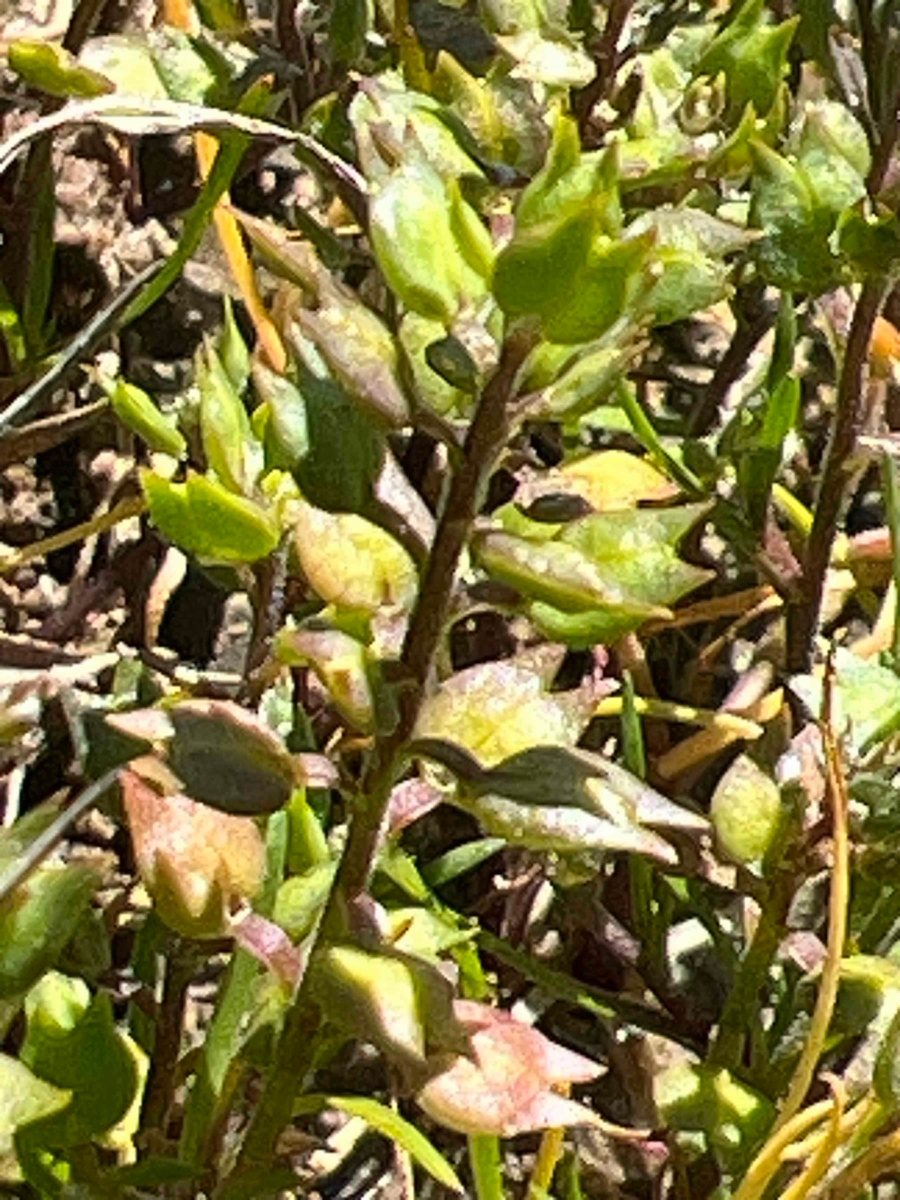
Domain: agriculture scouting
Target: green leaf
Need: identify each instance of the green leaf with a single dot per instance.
(347, 29)
(416, 240)
(556, 62)
(432, 389)
(638, 548)
(558, 574)
(794, 254)
(282, 414)
(387, 114)
(870, 242)
(360, 352)
(535, 270)
(301, 899)
(689, 272)
(633, 552)
(136, 410)
(460, 860)
(352, 563)
(746, 812)
(759, 450)
(24, 1098)
(72, 1042)
(568, 273)
(495, 710)
(733, 1118)
(886, 1076)
(346, 451)
(11, 331)
(205, 518)
(833, 151)
(228, 758)
(232, 349)
(587, 379)
(229, 443)
(752, 53)
(866, 699)
(37, 921)
(52, 69)
(449, 358)
(567, 178)
(342, 664)
(401, 1003)
(127, 61)
(394, 1127)
(555, 798)
(185, 64)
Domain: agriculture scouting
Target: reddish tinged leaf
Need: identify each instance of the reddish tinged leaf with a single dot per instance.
(410, 800)
(196, 863)
(506, 1086)
(269, 943)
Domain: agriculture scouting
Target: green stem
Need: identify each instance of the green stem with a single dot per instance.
(650, 440)
(487, 1171)
(742, 1005)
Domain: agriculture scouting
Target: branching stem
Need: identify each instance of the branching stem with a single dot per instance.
(487, 436)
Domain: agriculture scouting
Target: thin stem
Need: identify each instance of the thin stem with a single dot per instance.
(770, 1157)
(824, 1152)
(891, 483)
(487, 1174)
(880, 1158)
(742, 1004)
(606, 59)
(749, 332)
(132, 506)
(84, 19)
(180, 964)
(803, 617)
(837, 929)
(487, 436)
(548, 1156)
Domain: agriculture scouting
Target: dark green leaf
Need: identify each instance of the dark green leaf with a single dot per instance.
(346, 451)
(347, 29)
(227, 758)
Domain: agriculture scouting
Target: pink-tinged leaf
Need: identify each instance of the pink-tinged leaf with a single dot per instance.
(506, 1085)
(269, 943)
(411, 799)
(196, 863)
